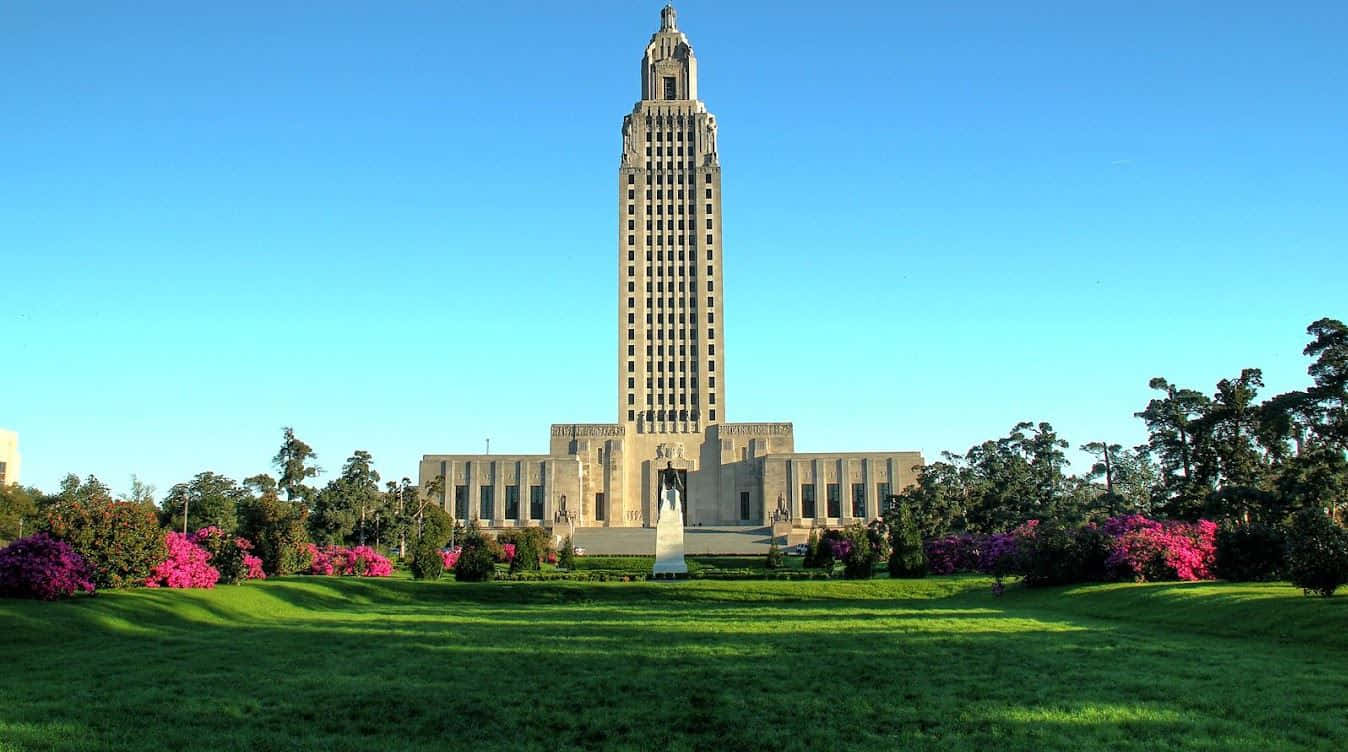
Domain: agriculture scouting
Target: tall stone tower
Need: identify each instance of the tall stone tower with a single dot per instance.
(671, 369)
(671, 357)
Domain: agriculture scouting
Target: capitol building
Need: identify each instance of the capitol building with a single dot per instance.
(671, 365)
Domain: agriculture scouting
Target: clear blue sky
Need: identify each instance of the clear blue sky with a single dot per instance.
(391, 224)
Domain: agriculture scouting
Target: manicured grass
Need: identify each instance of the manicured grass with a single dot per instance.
(940, 664)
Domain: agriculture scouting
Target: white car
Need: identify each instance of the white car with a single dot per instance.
(580, 550)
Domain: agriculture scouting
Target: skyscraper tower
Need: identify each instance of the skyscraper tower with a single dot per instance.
(671, 370)
(671, 374)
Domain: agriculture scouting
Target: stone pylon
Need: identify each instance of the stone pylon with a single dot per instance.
(669, 535)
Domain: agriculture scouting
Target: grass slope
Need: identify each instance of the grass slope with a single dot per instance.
(344, 664)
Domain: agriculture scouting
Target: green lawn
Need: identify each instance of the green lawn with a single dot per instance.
(941, 664)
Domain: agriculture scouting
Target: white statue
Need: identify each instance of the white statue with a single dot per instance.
(669, 524)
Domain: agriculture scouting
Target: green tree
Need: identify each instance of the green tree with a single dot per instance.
(907, 558)
(348, 507)
(18, 511)
(276, 527)
(208, 499)
(1170, 424)
(294, 460)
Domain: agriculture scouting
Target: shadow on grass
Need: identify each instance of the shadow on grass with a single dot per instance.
(338, 664)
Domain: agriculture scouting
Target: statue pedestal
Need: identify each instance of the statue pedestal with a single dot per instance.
(669, 535)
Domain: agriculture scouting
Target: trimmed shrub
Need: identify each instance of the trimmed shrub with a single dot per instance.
(187, 566)
(566, 559)
(278, 532)
(1250, 553)
(120, 541)
(44, 568)
(776, 559)
(637, 563)
(857, 552)
(436, 526)
(528, 545)
(1060, 555)
(811, 560)
(427, 561)
(1317, 553)
(229, 554)
(907, 557)
(476, 561)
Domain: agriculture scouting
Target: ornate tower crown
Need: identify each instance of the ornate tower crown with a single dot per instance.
(668, 69)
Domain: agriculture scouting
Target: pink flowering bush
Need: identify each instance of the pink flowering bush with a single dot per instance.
(43, 567)
(360, 561)
(253, 568)
(507, 553)
(841, 548)
(1146, 550)
(187, 566)
(951, 554)
(1121, 548)
(451, 556)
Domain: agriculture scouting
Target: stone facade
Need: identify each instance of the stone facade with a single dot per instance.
(671, 364)
(9, 457)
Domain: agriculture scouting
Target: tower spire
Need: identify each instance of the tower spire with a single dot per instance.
(668, 18)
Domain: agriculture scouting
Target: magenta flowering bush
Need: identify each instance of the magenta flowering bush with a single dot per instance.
(951, 554)
(1135, 548)
(253, 568)
(361, 561)
(841, 548)
(44, 568)
(1147, 550)
(451, 556)
(507, 553)
(187, 566)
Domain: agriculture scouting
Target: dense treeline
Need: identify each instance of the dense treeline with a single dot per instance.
(1227, 457)
(280, 514)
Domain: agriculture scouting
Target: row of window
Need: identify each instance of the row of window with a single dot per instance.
(660, 196)
(681, 399)
(688, 304)
(833, 499)
(660, 256)
(670, 271)
(675, 136)
(487, 503)
(660, 209)
(659, 365)
(660, 317)
(660, 225)
(660, 179)
(673, 239)
(660, 286)
(660, 382)
(661, 415)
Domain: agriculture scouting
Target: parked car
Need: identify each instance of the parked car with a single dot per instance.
(580, 550)
(800, 549)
